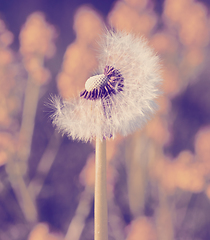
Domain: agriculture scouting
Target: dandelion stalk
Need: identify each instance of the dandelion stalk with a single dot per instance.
(100, 208)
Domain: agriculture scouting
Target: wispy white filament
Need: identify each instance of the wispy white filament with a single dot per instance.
(124, 112)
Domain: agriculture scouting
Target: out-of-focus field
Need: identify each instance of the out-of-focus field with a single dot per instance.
(158, 178)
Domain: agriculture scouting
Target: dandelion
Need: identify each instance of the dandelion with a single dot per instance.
(119, 98)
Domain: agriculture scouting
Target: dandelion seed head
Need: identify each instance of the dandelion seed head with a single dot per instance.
(121, 98)
(103, 85)
(96, 81)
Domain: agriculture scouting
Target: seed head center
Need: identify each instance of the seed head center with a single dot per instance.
(103, 85)
(95, 82)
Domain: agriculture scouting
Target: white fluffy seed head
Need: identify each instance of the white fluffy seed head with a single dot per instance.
(124, 112)
(96, 81)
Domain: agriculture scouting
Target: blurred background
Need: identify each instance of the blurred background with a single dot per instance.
(158, 178)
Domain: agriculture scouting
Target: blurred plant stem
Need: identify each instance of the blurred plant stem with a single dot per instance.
(17, 167)
(20, 189)
(164, 216)
(44, 165)
(136, 164)
(164, 221)
(116, 224)
(78, 222)
(28, 120)
(100, 198)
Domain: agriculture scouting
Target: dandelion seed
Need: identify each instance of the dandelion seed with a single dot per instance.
(120, 98)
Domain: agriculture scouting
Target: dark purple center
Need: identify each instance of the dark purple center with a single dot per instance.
(113, 85)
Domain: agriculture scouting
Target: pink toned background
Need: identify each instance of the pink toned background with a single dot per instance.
(158, 178)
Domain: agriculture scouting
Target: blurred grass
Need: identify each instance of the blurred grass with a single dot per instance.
(158, 178)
